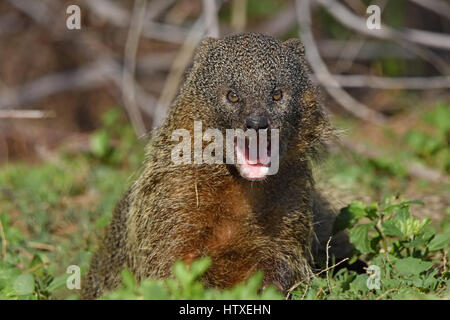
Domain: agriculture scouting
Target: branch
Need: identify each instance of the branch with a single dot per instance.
(131, 46)
(98, 73)
(36, 10)
(371, 49)
(438, 7)
(90, 76)
(349, 51)
(3, 238)
(165, 32)
(316, 274)
(405, 37)
(239, 15)
(352, 21)
(373, 82)
(11, 23)
(107, 68)
(210, 14)
(109, 11)
(177, 69)
(25, 114)
(118, 16)
(321, 71)
(280, 23)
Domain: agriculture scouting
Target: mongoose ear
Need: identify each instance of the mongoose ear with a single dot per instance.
(204, 47)
(295, 45)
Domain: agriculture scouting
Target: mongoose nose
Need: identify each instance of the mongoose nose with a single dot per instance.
(257, 123)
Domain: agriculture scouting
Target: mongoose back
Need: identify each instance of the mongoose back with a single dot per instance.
(237, 214)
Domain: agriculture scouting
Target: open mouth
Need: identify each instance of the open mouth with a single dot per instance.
(253, 159)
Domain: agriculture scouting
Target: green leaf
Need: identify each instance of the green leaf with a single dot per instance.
(100, 143)
(431, 281)
(439, 117)
(447, 211)
(200, 266)
(428, 232)
(155, 290)
(24, 284)
(349, 216)
(110, 117)
(416, 243)
(58, 283)
(390, 228)
(412, 266)
(410, 202)
(128, 279)
(360, 284)
(403, 214)
(404, 204)
(359, 236)
(439, 242)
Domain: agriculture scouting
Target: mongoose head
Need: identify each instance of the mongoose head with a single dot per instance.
(254, 81)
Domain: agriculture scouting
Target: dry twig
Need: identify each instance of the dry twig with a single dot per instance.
(280, 23)
(350, 51)
(408, 38)
(88, 46)
(210, 15)
(314, 275)
(352, 21)
(239, 15)
(131, 46)
(387, 292)
(36, 10)
(41, 246)
(439, 7)
(374, 82)
(328, 276)
(176, 71)
(112, 12)
(444, 261)
(26, 114)
(3, 237)
(321, 71)
(36, 267)
(372, 49)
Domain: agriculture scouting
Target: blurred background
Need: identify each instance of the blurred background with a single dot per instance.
(76, 106)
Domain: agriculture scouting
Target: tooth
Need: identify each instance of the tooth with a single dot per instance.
(264, 170)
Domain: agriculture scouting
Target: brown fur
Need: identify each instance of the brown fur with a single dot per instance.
(188, 211)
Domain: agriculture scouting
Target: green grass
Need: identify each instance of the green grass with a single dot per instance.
(65, 204)
(53, 214)
(407, 254)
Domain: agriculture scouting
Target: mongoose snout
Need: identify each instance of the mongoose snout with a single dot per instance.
(257, 122)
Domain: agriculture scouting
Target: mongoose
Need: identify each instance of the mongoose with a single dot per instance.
(242, 218)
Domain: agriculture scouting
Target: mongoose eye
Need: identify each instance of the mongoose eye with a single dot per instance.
(232, 97)
(277, 95)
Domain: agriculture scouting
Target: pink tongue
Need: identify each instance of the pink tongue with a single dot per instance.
(253, 167)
